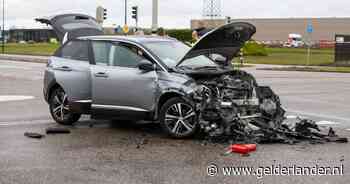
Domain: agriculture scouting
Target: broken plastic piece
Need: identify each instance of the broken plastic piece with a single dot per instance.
(243, 149)
(239, 148)
(33, 135)
(57, 131)
(338, 139)
(251, 147)
(331, 133)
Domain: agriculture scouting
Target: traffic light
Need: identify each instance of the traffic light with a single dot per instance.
(135, 12)
(104, 14)
(228, 19)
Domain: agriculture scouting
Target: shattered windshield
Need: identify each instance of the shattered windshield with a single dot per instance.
(171, 52)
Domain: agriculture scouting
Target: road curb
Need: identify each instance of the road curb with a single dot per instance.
(24, 58)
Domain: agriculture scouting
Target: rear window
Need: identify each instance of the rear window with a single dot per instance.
(76, 50)
(77, 22)
(72, 26)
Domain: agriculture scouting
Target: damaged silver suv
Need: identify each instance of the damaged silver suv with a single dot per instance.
(161, 79)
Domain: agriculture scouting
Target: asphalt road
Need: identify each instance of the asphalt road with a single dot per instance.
(120, 152)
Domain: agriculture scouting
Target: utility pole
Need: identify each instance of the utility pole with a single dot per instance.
(211, 9)
(126, 27)
(154, 15)
(309, 30)
(126, 12)
(3, 26)
(308, 52)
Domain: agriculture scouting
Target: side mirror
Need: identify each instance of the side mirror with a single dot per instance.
(146, 66)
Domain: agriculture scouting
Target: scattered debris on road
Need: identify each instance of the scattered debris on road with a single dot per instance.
(51, 130)
(34, 135)
(142, 142)
(242, 149)
(284, 132)
(57, 130)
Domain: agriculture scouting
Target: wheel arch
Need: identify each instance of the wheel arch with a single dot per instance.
(52, 88)
(164, 98)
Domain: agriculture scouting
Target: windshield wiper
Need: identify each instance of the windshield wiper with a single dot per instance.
(185, 67)
(206, 67)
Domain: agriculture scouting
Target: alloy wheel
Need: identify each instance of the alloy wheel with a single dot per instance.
(60, 107)
(180, 119)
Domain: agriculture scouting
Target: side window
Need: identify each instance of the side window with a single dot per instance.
(114, 54)
(77, 50)
(126, 55)
(102, 52)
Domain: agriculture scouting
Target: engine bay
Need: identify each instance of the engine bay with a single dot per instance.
(233, 106)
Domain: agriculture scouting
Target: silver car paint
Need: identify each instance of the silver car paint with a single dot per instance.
(174, 82)
(133, 89)
(73, 76)
(123, 86)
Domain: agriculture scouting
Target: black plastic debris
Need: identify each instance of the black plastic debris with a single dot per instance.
(33, 135)
(301, 130)
(57, 130)
(141, 142)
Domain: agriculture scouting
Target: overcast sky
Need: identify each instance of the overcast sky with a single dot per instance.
(172, 13)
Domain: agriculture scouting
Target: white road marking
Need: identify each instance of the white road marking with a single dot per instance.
(322, 122)
(6, 98)
(327, 123)
(341, 119)
(295, 117)
(348, 129)
(34, 122)
(291, 117)
(14, 67)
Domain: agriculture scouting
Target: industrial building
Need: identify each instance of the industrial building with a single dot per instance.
(41, 35)
(278, 29)
(36, 35)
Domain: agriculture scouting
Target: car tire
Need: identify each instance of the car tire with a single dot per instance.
(178, 118)
(59, 108)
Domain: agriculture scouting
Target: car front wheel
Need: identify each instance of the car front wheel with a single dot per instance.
(178, 118)
(59, 108)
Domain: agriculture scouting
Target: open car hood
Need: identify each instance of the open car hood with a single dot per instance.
(70, 26)
(226, 40)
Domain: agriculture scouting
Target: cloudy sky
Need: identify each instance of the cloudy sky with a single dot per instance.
(172, 13)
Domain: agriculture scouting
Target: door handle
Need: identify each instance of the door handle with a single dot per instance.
(64, 68)
(101, 74)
